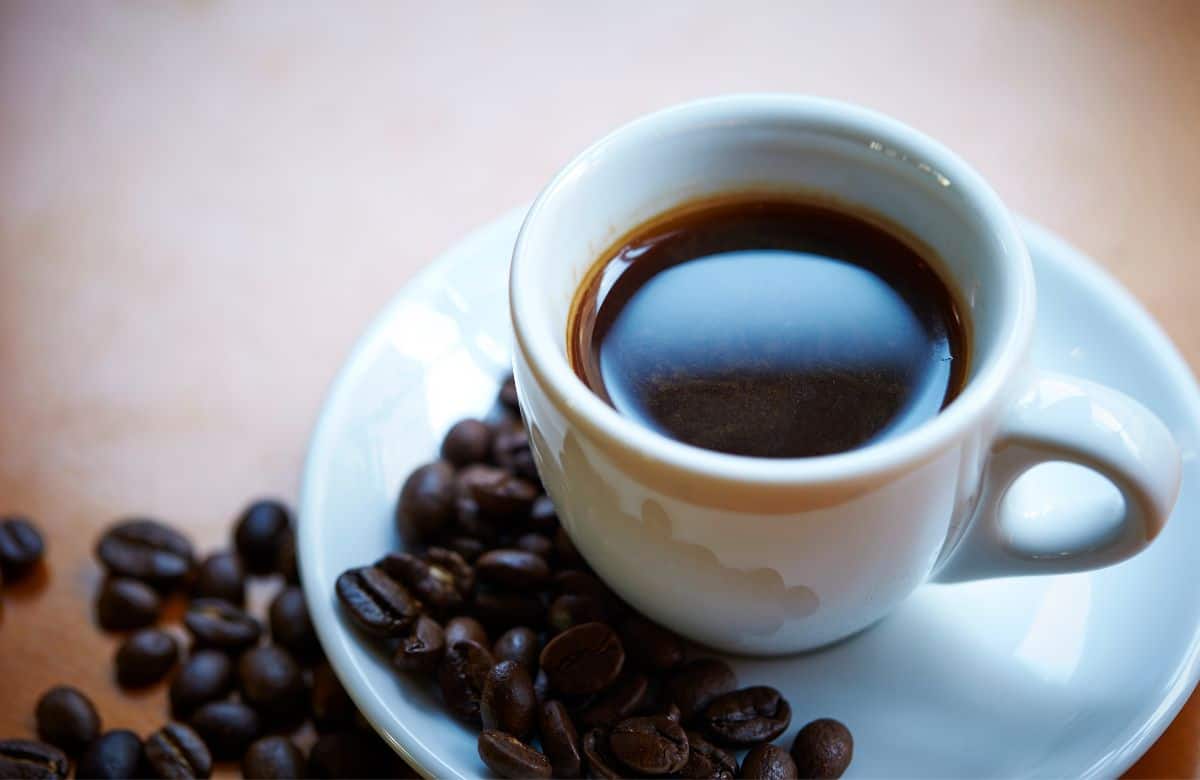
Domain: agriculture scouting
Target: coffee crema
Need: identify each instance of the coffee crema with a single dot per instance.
(768, 326)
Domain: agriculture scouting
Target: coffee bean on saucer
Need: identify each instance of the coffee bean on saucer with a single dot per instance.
(331, 706)
(287, 563)
(259, 534)
(220, 576)
(221, 625)
(768, 762)
(574, 609)
(291, 626)
(560, 740)
(823, 749)
(697, 683)
(67, 719)
(508, 702)
(146, 550)
(508, 395)
(461, 677)
(26, 759)
(426, 504)
(707, 760)
(518, 644)
(513, 569)
(651, 745)
(125, 604)
(422, 650)
(598, 757)
(501, 610)
(350, 754)
(271, 683)
(508, 756)
(176, 751)
(650, 646)
(207, 675)
(469, 521)
(564, 551)
(273, 758)
(616, 703)
(441, 580)
(145, 658)
(378, 603)
(464, 627)
(538, 544)
(21, 547)
(543, 517)
(114, 755)
(470, 549)
(227, 728)
(583, 659)
(500, 496)
(511, 452)
(468, 441)
(743, 717)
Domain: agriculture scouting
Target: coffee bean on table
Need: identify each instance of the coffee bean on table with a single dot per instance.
(768, 762)
(67, 719)
(461, 677)
(518, 644)
(543, 517)
(227, 728)
(508, 756)
(743, 717)
(221, 625)
(442, 585)
(331, 706)
(422, 650)
(220, 576)
(21, 547)
(350, 754)
(464, 627)
(378, 603)
(273, 758)
(650, 646)
(823, 749)
(260, 534)
(145, 658)
(513, 569)
(616, 703)
(271, 683)
(146, 550)
(426, 504)
(697, 683)
(707, 760)
(206, 675)
(176, 751)
(508, 702)
(114, 755)
(30, 760)
(468, 441)
(125, 604)
(583, 659)
(291, 626)
(599, 758)
(560, 740)
(652, 745)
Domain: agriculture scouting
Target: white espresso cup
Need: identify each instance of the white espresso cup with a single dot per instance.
(770, 556)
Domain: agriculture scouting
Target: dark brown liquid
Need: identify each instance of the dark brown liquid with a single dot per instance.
(768, 327)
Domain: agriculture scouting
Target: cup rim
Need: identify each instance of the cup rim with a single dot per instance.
(575, 400)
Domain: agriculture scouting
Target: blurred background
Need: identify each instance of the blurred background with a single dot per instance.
(203, 203)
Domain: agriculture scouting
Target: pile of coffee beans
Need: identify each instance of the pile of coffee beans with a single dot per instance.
(242, 689)
(493, 605)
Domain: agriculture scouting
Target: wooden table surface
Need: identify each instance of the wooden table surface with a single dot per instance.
(202, 204)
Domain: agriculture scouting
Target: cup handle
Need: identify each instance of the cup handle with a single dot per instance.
(1063, 418)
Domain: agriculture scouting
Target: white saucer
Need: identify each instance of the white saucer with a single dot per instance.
(1055, 676)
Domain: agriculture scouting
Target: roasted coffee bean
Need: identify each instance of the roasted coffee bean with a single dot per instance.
(379, 604)
(501, 496)
(543, 517)
(511, 452)
(227, 727)
(538, 544)
(176, 752)
(823, 749)
(260, 535)
(564, 551)
(599, 759)
(508, 756)
(464, 627)
(206, 675)
(219, 624)
(560, 740)
(541, 686)
(146, 550)
(273, 758)
(271, 683)
(518, 644)
(114, 755)
(755, 714)
(616, 703)
(672, 711)
(468, 441)
(331, 706)
(500, 610)
(573, 609)
(470, 549)
(21, 547)
(583, 659)
(442, 588)
(469, 521)
(768, 762)
(696, 684)
(145, 658)
(350, 754)
(25, 759)
(291, 626)
(426, 504)
(67, 719)
(287, 564)
(422, 650)
(508, 394)
(125, 604)
(220, 576)
(651, 745)
(508, 702)
(513, 569)
(650, 646)
(461, 677)
(706, 760)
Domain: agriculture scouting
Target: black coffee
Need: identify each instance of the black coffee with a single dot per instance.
(768, 327)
